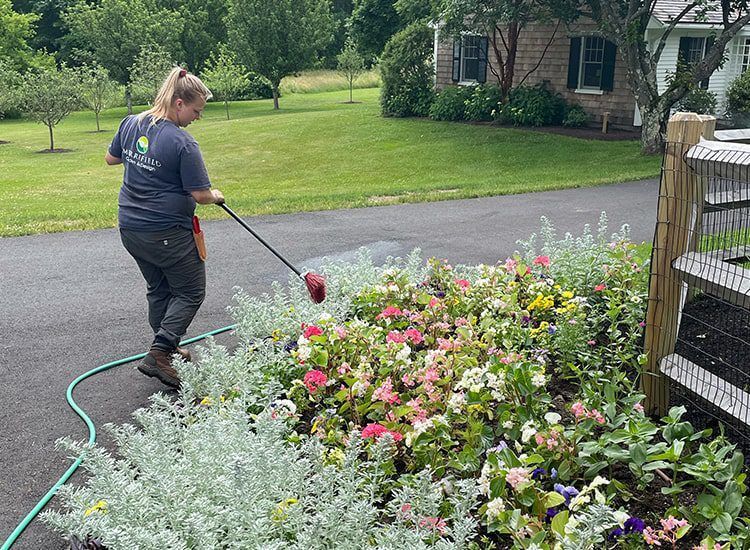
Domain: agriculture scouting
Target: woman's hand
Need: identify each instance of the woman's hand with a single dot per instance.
(208, 196)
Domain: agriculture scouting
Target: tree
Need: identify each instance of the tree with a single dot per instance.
(372, 24)
(150, 67)
(503, 22)
(350, 64)
(225, 77)
(279, 38)
(98, 90)
(48, 27)
(48, 95)
(624, 23)
(9, 80)
(341, 11)
(16, 29)
(115, 30)
(204, 29)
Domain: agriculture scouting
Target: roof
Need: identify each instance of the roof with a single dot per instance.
(666, 10)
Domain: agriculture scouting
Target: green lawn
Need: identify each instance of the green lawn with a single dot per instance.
(315, 153)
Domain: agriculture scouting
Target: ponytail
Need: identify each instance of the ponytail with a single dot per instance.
(179, 84)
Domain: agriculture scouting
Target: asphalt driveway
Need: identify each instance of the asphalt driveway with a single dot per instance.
(73, 301)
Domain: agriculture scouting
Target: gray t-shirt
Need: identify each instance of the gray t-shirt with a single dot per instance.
(162, 165)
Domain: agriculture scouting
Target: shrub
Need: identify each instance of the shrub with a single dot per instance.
(532, 106)
(450, 103)
(407, 72)
(698, 101)
(258, 87)
(576, 117)
(484, 101)
(738, 99)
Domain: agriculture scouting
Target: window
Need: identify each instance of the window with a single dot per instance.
(744, 55)
(470, 59)
(591, 65)
(693, 50)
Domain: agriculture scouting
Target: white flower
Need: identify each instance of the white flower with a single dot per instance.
(508, 424)
(539, 380)
(495, 507)
(304, 352)
(552, 418)
(404, 353)
(456, 402)
(325, 316)
(528, 431)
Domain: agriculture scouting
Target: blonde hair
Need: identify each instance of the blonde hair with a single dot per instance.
(179, 84)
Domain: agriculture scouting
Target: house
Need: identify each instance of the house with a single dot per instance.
(586, 69)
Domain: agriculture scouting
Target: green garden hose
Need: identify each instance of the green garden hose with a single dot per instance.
(92, 433)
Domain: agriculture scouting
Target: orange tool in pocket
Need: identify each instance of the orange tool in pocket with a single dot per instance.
(200, 241)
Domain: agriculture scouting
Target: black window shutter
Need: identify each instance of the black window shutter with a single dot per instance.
(482, 76)
(574, 62)
(457, 60)
(608, 66)
(709, 43)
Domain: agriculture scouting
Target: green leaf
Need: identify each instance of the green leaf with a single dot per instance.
(559, 522)
(638, 454)
(553, 499)
(722, 524)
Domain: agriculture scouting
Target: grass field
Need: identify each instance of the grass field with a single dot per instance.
(315, 153)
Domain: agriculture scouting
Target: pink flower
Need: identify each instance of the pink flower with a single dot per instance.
(462, 322)
(516, 476)
(642, 324)
(385, 393)
(591, 342)
(578, 409)
(314, 380)
(596, 415)
(434, 302)
(510, 265)
(600, 287)
(373, 430)
(541, 260)
(311, 330)
(396, 337)
(344, 368)
(390, 311)
(463, 283)
(340, 332)
(405, 510)
(638, 408)
(437, 524)
(651, 537)
(377, 431)
(414, 335)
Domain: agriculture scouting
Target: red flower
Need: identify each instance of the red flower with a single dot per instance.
(390, 311)
(377, 431)
(600, 287)
(463, 283)
(314, 380)
(541, 260)
(311, 330)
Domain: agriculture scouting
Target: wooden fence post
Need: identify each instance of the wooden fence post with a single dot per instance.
(678, 216)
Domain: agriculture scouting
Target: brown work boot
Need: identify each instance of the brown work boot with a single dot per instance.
(158, 363)
(183, 353)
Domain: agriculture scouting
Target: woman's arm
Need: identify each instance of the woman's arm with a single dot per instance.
(112, 160)
(208, 196)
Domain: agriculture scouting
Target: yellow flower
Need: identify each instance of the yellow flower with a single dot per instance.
(100, 506)
(567, 294)
(279, 514)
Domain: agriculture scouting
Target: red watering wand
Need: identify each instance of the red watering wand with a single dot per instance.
(316, 284)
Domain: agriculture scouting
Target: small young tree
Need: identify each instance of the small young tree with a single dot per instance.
(279, 38)
(350, 64)
(48, 95)
(9, 79)
(225, 77)
(150, 68)
(98, 90)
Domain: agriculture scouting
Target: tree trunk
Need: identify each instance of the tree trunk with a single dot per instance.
(226, 106)
(97, 121)
(51, 138)
(351, 85)
(275, 96)
(653, 130)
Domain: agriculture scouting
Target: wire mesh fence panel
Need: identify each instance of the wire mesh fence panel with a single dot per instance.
(699, 301)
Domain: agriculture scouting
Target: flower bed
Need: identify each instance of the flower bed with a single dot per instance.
(424, 406)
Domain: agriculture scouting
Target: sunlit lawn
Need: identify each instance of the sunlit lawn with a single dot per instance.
(315, 153)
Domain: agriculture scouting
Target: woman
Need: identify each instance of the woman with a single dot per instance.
(164, 178)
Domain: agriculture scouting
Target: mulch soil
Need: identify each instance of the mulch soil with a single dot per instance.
(55, 151)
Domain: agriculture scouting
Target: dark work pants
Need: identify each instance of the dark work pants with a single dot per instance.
(175, 280)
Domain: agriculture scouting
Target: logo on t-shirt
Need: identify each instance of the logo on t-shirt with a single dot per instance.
(142, 145)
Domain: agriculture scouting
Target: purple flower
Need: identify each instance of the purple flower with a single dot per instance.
(553, 473)
(440, 294)
(290, 345)
(538, 473)
(502, 445)
(551, 512)
(567, 492)
(552, 329)
(632, 525)
(525, 320)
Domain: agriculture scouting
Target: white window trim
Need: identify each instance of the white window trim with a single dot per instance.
(581, 65)
(462, 81)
